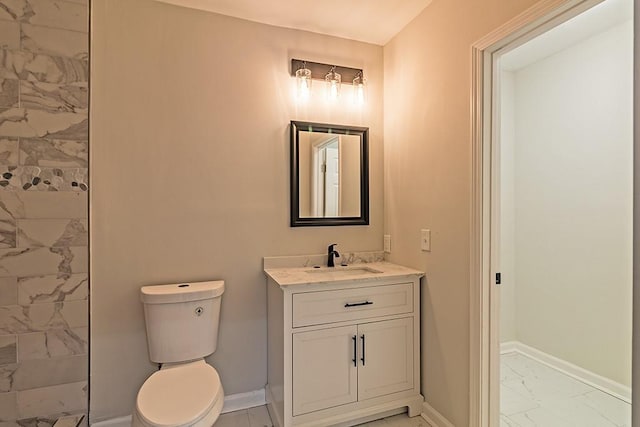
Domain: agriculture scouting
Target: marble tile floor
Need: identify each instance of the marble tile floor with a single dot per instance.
(533, 394)
(259, 417)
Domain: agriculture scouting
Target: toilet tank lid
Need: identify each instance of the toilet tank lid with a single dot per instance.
(181, 292)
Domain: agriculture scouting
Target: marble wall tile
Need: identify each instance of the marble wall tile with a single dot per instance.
(40, 421)
(44, 204)
(8, 350)
(43, 171)
(16, 204)
(16, 319)
(69, 398)
(7, 234)
(14, 9)
(9, 89)
(48, 372)
(6, 377)
(42, 68)
(9, 151)
(52, 232)
(36, 178)
(9, 33)
(53, 41)
(40, 261)
(53, 288)
(58, 14)
(70, 421)
(8, 291)
(54, 97)
(55, 154)
(20, 122)
(8, 407)
(53, 343)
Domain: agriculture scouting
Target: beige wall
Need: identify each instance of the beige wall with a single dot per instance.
(189, 129)
(427, 178)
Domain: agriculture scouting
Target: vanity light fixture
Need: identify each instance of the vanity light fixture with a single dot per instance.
(303, 81)
(359, 89)
(333, 80)
(305, 71)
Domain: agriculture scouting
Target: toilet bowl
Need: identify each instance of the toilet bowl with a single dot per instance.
(188, 394)
(182, 329)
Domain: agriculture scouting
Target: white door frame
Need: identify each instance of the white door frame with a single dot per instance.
(484, 380)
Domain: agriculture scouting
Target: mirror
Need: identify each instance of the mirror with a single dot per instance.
(329, 174)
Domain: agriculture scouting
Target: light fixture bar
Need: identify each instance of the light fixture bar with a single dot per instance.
(319, 70)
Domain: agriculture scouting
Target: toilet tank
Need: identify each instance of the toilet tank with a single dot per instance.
(182, 320)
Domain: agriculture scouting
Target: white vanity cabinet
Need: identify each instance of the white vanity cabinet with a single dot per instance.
(343, 347)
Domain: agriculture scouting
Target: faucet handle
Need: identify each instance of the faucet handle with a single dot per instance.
(330, 248)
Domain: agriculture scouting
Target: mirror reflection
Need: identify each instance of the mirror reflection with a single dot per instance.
(329, 174)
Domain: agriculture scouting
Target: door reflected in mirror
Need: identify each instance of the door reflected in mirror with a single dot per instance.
(329, 175)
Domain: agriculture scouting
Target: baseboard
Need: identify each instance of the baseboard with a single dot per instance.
(233, 402)
(114, 422)
(237, 402)
(433, 417)
(604, 384)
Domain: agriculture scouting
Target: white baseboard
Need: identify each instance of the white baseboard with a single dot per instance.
(114, 422)
(598, 381)
(233, 402)
(237, 402)
(433, 417)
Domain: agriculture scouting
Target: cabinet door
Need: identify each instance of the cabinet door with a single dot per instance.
(324, 374)
(387, 350)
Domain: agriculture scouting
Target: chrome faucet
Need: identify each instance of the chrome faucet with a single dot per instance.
(331, 253)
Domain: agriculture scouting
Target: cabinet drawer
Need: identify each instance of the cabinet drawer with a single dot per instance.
(315, 308)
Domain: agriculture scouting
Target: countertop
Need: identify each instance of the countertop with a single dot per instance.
(310, 275)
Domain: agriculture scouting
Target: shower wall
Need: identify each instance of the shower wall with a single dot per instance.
(43, 210)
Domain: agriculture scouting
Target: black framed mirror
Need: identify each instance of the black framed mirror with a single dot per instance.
(329, 174)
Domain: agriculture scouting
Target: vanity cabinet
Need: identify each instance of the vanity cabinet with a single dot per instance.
(345, 350)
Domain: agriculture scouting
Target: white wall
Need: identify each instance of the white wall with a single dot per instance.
(507, 208)
(573, 205)
(190, 176)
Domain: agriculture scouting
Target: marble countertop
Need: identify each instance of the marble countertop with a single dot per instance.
(371, 271)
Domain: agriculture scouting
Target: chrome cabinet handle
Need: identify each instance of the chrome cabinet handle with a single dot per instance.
(356, 304)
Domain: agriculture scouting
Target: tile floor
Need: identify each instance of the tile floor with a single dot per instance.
(533, 394)
(259, 417)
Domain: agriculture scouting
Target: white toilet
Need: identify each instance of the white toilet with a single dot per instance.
(182, 329)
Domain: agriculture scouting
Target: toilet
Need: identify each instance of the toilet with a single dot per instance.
(182, 329)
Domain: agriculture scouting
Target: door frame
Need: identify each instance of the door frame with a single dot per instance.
(484, 380)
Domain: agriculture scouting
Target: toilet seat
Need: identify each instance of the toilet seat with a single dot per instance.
(179, 395)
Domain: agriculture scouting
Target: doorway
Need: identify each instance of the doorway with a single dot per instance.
(551, 218)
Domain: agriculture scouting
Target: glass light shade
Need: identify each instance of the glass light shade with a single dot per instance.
(333, 81)
(359, 90)
(303, 82)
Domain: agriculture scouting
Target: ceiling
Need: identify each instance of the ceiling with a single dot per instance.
(371, 21)
(587, 24)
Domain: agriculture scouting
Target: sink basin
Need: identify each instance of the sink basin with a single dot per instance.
(344, 270)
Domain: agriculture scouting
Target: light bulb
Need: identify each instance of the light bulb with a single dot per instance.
(303, 80)
(359, 90)
(333, 81)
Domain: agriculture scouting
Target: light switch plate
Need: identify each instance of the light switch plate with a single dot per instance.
(387, 243)
(425, 240)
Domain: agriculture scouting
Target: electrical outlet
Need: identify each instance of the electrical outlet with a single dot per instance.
(387, 243)
(425, 240)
